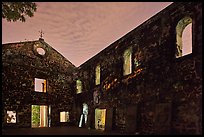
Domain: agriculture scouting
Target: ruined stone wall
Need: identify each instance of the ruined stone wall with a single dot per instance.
(166, 90)
(21, 64)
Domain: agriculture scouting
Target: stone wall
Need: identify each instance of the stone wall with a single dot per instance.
(163, 94)
(21, 64)
(159, 80)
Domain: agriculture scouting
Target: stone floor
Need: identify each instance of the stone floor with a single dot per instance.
(57, 131)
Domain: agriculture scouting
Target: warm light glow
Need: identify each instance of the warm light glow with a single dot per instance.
(43, 116)
(45, 87)
(97, 75)
(11, 116)
(79, 86)
(39, 116)
(113, 83)
(64, 116)
(40, 85)
(100, 117)
(127, 65)
(49, 116)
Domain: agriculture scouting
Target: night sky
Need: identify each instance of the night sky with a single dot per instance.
(79, 30)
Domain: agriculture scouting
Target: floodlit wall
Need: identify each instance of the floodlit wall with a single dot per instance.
(164, 90)
(23, 68)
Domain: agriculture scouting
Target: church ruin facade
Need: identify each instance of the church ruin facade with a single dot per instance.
(147, 82)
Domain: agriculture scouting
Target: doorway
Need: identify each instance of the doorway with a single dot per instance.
(40, 116)
(100, 118)
(84, 116)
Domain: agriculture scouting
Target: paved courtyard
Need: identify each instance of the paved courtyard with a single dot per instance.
(56, 131)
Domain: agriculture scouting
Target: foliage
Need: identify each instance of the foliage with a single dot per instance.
(14, 11)
(35, 115)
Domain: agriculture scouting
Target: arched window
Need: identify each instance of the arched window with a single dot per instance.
(97, 80)
(79, 86)
(127, 64)
(84, 115)
(184, 37)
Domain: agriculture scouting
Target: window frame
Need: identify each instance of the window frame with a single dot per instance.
(15, 117)
(77, 84)
(66, 120)
(97, 75)
(130, 60)
(45, 85)
(181, 25)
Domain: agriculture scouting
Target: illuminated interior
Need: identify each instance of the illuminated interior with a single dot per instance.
(64, 116)
(97, 75)
(40, 85)
(49, 116)
(81, 120)
(79, 86)
(184, 37)
(85, 111)
(39, 116)
(11, 116)
(84, 116)
(127, 65)
(100, 116)
(43, 116)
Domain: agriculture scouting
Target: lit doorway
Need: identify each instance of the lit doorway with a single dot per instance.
(84, 116)
(100, 117)
(40, 116)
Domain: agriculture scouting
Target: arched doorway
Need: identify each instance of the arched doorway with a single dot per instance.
(84, 116)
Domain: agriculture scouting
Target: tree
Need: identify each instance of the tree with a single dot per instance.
(14, 11)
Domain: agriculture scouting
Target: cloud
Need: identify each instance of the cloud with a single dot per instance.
(79, 30)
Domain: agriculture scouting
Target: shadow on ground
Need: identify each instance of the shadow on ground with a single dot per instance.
(56, 131)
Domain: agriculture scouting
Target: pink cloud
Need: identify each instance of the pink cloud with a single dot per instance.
(82, 29)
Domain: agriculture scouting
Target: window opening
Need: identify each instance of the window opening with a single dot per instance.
(11, 116)
(127, 65)
(79, 86)
(97, 74)
(40, 85)
(184, 37)
(64, 116)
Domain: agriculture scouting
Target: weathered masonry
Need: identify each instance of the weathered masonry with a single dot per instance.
(148, 81)
(35, 85)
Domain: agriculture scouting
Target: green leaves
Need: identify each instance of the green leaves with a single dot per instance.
(14, 11)
(35, 115)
